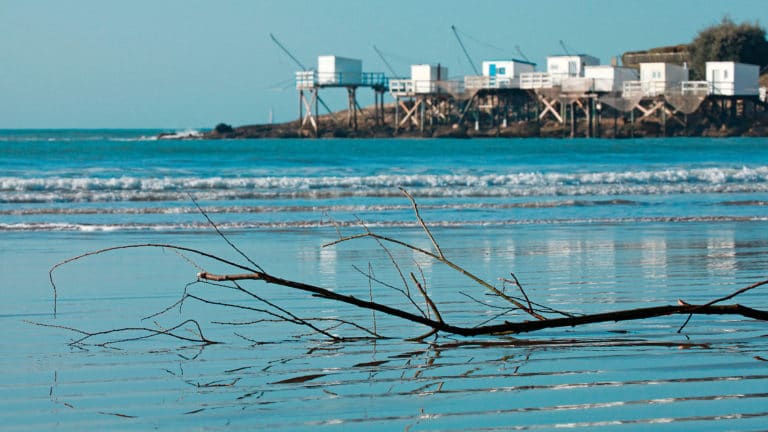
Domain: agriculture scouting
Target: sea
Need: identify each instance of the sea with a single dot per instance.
(583, 225)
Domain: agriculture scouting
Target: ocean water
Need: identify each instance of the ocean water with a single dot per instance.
(585, 225)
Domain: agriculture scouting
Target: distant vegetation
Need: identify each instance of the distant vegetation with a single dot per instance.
(223, 128)
(728, 41)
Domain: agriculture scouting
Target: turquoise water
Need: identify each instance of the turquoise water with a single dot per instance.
(586, 225)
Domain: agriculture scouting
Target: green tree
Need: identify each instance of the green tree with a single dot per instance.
(728, 41)
(223, 128)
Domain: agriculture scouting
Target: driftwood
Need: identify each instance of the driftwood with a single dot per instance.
(540, 316)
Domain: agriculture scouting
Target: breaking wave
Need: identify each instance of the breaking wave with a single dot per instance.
(30, 211)
(524, 184)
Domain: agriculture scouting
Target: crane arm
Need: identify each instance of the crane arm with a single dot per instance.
(285, 50)
(295, 60)
(463, 48)
(521, 54)
(389, 66)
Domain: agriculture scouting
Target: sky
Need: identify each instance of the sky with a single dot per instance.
(178, 64)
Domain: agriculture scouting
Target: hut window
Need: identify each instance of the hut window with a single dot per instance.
(502, 71)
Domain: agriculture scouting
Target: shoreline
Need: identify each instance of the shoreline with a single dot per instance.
(705, 122)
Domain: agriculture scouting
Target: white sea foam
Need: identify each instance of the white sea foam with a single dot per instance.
(169, 188)
(187, 133)
(318, 209)
(201, 226)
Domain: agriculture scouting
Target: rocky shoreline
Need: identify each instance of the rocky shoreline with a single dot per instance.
(700, 124)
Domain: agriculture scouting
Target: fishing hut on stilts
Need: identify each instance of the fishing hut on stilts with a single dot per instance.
(495, 98)
(338, 72)
(427, 98)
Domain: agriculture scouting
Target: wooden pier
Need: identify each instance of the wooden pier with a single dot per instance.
(577, 101)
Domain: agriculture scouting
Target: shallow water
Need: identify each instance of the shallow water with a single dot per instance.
(595, 225)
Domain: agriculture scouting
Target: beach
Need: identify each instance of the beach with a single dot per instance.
(586, 226)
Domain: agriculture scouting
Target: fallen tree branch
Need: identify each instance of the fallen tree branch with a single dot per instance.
(509, 327)
(436, 322)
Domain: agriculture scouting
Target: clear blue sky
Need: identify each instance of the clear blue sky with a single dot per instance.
(192, 63)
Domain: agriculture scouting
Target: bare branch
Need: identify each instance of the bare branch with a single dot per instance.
(290, 318)
(429, 301)
(370, 294)
(135, 246)
(520, 287)
(442, 260)
(324, 325)
(221, 234)
(395, 265)
(525, 326)
(722, 299)
(421, 222)
(151, 333)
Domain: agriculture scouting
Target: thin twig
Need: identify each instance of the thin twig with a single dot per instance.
(152, 333)
(421, 222)
(724, 298)
(397, 268)
(291, 319)
(221, 234)
(378, 281)
(370, 293)
(391, 258)
(427, 299)
(135, 246)
(520, 287)
(447, 262)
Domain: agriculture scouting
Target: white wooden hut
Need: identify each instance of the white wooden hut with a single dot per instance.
(660, 78)
(506, 70)
(338, 71)
(609, 79)
(727, 78)
(569, 66)
(499, 74)
(425, 77)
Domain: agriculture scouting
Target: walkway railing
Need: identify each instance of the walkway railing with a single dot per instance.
(490, 82)
(409, 87)
(306, 80)
(535, 80)
(697, 88)
(375, 79)
(644, 88)
(311, 79)
(401, 87)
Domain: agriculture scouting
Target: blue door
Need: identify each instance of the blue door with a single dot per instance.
(492, 69)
